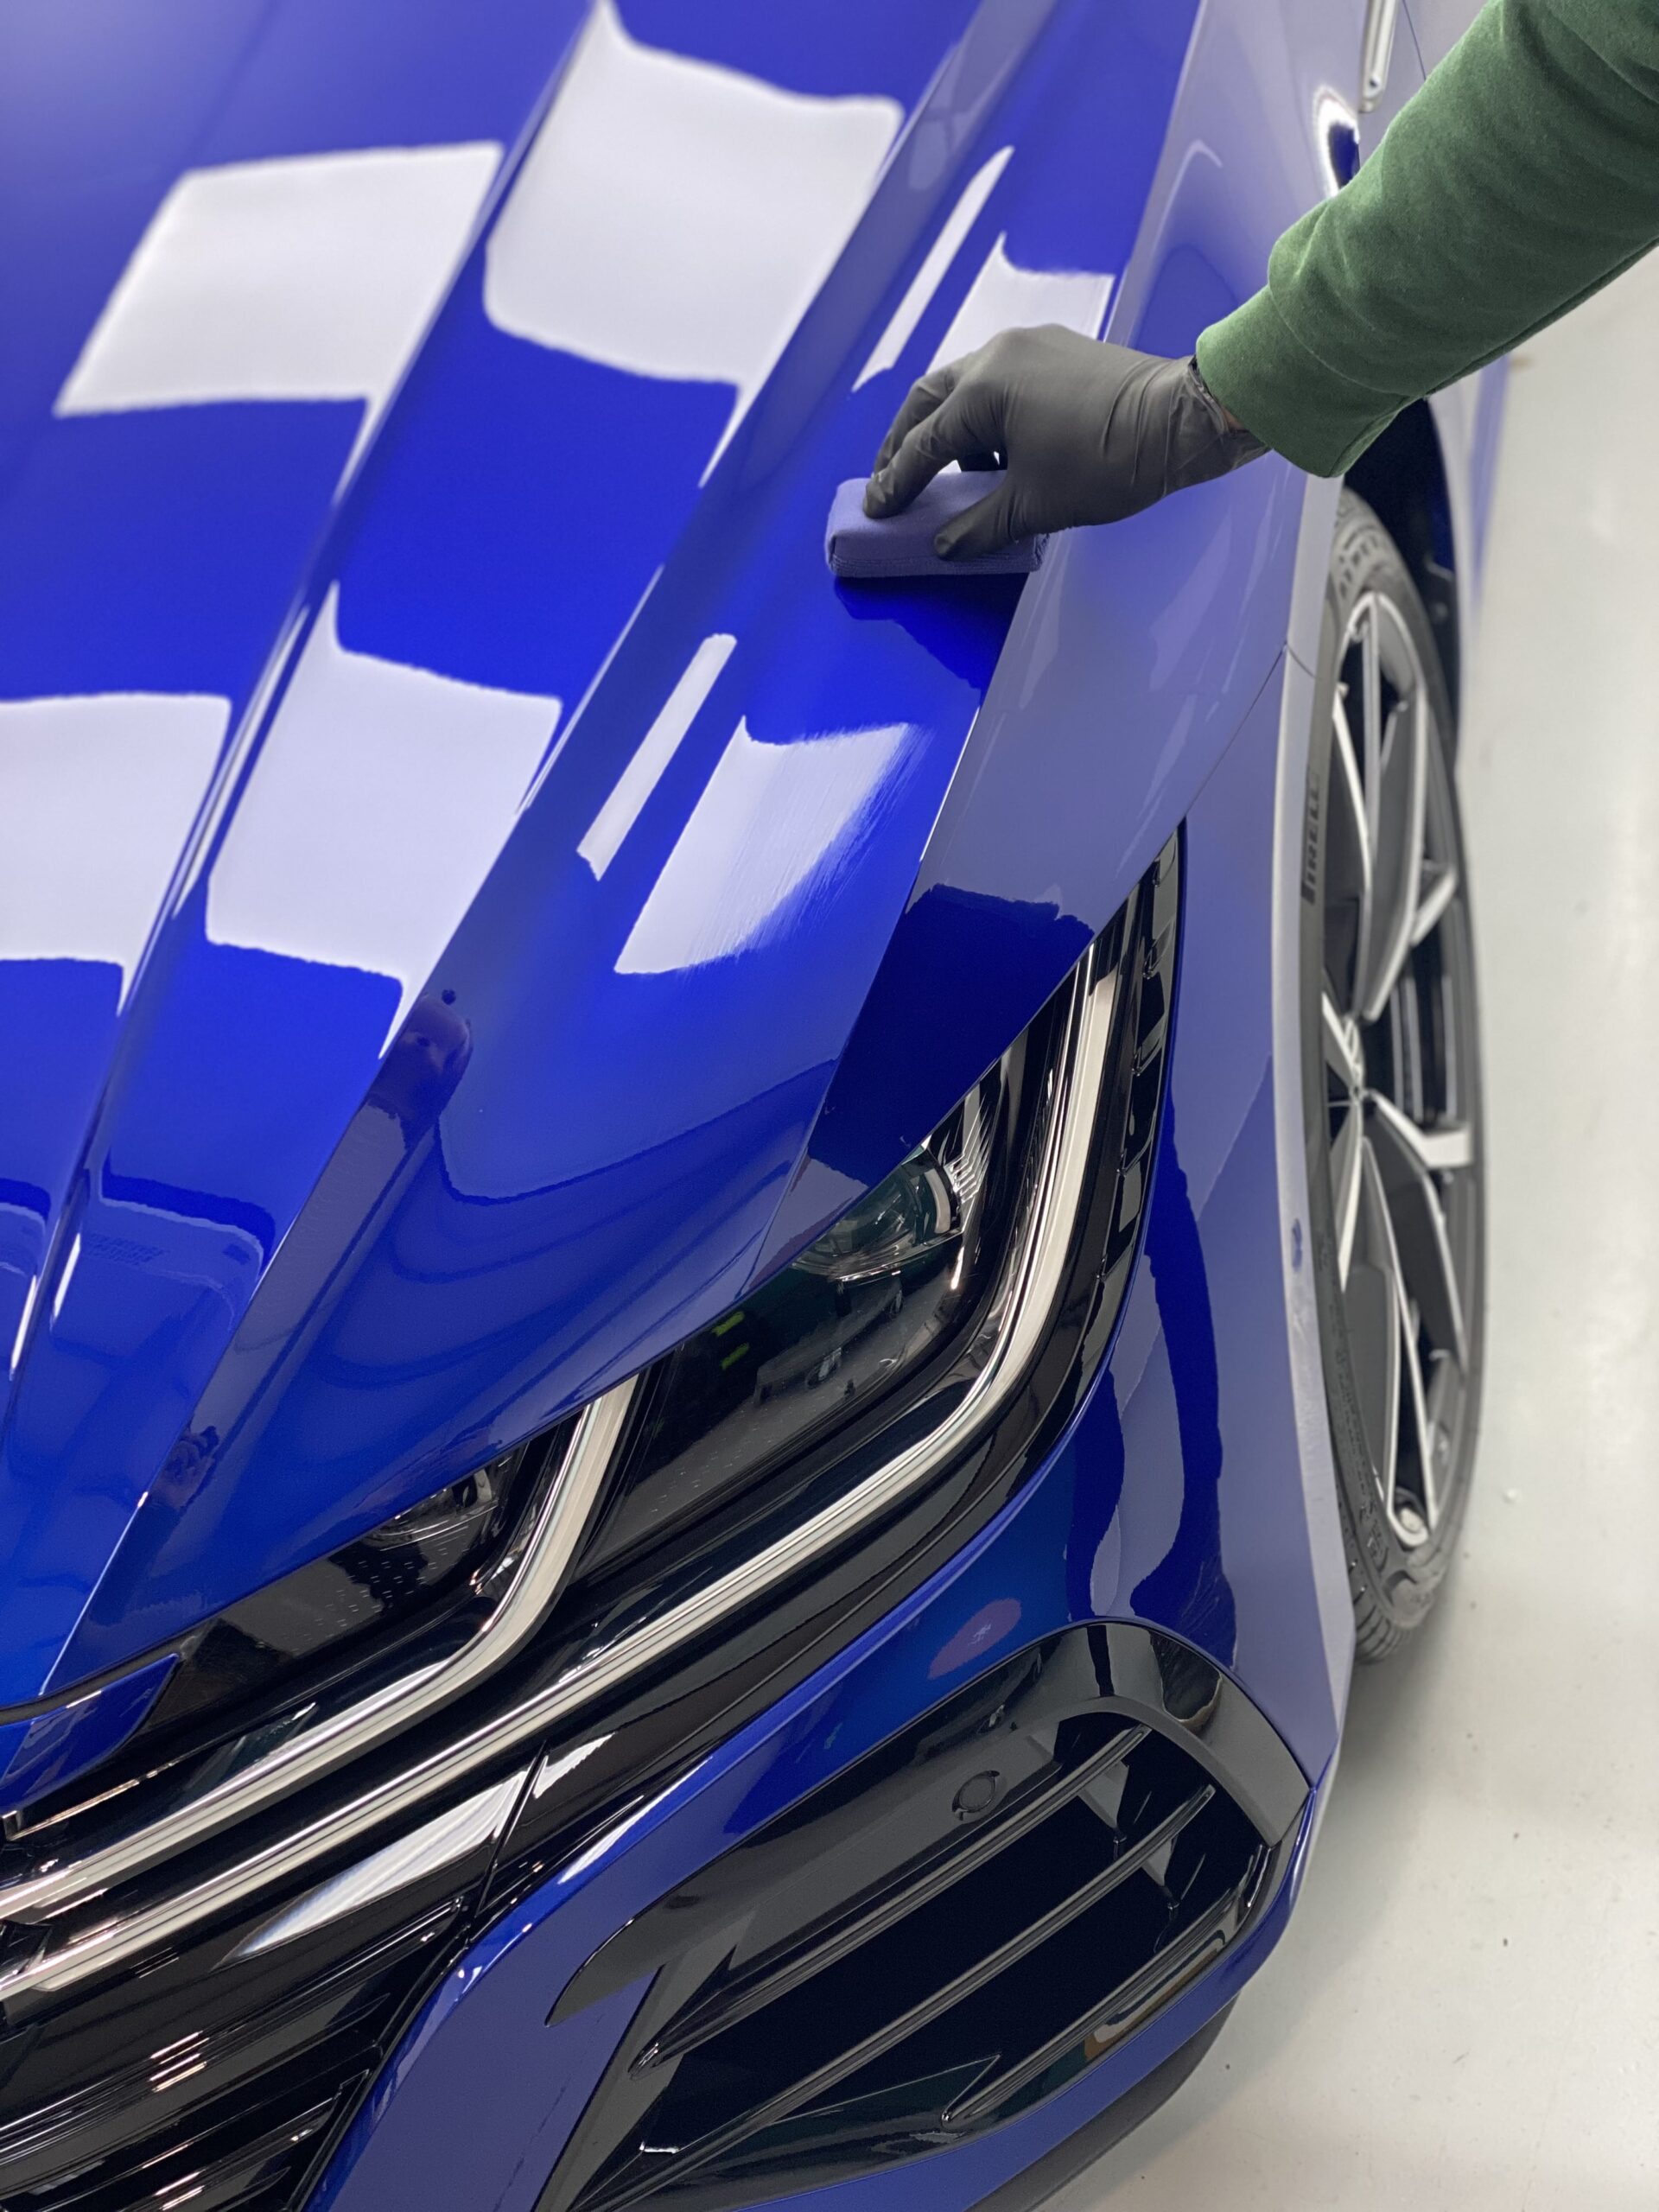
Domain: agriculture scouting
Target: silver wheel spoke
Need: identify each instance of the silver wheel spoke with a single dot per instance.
(1410, 1373)
(1343, 1055)
(1439, 1151)
(1444, 1385)
(1441, 888)
(1348, 790)
(1417, 1226)
(1372, 1299)
(1397, 852)
(1370, 653)
(1350, 783)
(1423, 1428)
(1445, 1149)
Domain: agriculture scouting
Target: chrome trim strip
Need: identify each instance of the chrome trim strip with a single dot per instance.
(438, 1842)
(532, 1581)
(1035, 1278)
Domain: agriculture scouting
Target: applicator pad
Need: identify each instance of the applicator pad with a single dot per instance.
(902, 544)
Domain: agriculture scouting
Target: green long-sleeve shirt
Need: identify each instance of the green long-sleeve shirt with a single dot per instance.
(1520, 178)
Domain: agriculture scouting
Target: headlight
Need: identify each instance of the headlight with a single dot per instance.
(934, 1335)
(386, 1580)
(413, 1575)
(850, 1328)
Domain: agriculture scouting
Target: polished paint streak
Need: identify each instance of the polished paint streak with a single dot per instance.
(309, 279)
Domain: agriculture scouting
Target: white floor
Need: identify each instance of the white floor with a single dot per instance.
(1465, 2015)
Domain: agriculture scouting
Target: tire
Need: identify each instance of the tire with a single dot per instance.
(1391, 1082)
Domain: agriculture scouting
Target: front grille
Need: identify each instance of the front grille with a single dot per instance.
(961, 1924)
(212, 2077)
(243, 2163)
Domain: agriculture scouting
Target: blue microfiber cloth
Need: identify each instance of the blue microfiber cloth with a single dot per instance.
(902, 546)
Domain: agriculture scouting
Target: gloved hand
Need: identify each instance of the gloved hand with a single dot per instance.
(1089, 433)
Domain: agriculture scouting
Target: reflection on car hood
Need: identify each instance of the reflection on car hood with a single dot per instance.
(453, 818)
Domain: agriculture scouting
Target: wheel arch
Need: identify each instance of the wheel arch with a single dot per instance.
(1404, 478)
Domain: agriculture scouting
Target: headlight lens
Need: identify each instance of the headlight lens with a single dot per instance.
(407, 1574)
(380, 1581)
(882, 1293)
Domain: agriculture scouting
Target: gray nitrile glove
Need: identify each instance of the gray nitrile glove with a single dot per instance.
(1089, 433)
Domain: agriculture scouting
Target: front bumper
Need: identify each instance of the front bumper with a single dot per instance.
(561, 1999)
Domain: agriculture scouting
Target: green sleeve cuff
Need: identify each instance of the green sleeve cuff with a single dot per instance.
(1261, 372)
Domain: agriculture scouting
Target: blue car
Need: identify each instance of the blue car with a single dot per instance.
(728, 1293)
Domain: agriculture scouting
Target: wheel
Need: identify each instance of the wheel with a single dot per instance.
(1391, 1076)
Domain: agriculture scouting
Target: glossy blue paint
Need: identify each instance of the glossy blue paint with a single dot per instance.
(38, 1756)
(155, 551)
(1133, 659)
(443, 1061)
(316, 1370)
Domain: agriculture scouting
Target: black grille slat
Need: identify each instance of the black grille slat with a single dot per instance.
(324, 2010)
(768, 1980)
(1004, 1883)
(955, 1975)
(1159, 1980)
(209, 2175)
(216, 2076)
(1130, 1860)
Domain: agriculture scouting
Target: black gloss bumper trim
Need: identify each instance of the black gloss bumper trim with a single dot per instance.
(955, 1928)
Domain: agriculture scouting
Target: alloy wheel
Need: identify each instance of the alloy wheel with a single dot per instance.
(1397, 1027)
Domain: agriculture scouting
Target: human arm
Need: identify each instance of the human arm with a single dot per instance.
(1521, 177)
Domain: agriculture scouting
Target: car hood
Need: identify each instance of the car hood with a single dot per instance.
(456, 818)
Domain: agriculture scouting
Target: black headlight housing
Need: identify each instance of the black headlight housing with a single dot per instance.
(839, 1342)
(855, 1355)
(1004, 1240)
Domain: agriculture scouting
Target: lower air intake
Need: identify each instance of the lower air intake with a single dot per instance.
(960, 1924)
